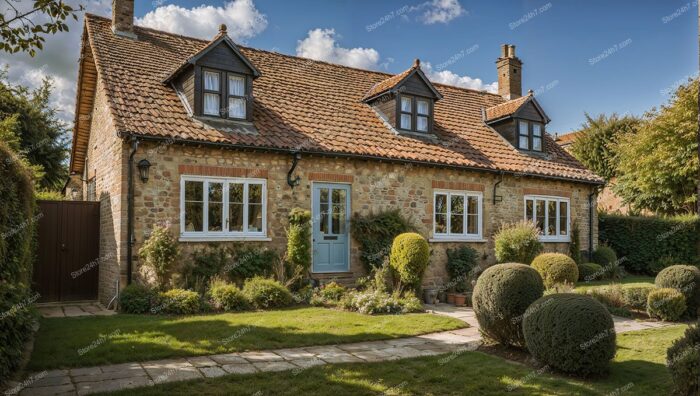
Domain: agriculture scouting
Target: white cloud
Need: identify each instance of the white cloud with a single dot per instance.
(440, 11)
(320, 44)
(242, 20)
(450, 78)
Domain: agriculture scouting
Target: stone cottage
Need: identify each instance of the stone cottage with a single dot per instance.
(220, 141)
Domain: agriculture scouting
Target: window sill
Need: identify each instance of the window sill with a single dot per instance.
(555, 240)
(216, 238)
(438, 240)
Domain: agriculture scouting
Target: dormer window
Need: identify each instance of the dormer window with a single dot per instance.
(212, 93)
(415, 114)
(235, 98)
(530, 135)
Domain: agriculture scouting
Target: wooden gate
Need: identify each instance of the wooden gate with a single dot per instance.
(67, 266)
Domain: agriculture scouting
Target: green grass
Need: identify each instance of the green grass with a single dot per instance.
(630, 281)
(96, 340)
(638, 369)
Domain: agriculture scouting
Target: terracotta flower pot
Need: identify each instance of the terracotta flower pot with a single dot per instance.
(451, 298)
(460, 299)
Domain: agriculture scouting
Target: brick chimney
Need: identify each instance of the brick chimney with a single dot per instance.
(510, 70)
(123, 18)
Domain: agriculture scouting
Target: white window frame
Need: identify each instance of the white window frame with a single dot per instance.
(449, 236)
(223, 235)
(547, 199)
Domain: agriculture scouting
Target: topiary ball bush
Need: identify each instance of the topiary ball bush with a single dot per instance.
(410, 255)
(228, 297)
(136, 299)
(501, 295)
(556, 268)
(570, 332)
(266, 293)
(685, 279)
(666, 304)
(178, 302)
(604, 256)
(588, 272)
(683, 361)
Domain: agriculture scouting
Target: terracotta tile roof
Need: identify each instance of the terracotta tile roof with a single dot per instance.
(306, 105)
(505, 109)
(569, 138)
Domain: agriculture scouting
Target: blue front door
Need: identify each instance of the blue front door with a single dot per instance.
(331, 222)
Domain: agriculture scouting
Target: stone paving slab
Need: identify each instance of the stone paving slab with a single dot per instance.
(70, 310)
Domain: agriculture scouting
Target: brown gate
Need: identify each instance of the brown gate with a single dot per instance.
(68, 251)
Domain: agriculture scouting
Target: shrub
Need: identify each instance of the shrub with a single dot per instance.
(556, 268)
(298, 255)
(329, 294)
(636, 297)
(683, 361)
(643, 241)
(228, 297)
(460, 264)
(410, 255)
(205, 264)
(604, 256)
(178, 302)
(158, 253)
(685, 279)
(666, 304)
(589, 272)
(517, 243)
(375, 234)
(570, 332)
(502, 294)
(373, 302)
(136, 299)
(18, 219)
(266, 293)
(611, 296)
(249, 262)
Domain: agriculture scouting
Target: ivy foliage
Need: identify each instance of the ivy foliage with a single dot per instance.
(375, 234)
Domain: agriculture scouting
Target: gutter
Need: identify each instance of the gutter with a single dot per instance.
(130, 209)
(125, 135)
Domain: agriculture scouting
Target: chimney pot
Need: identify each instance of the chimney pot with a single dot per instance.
(509, 69)
(123, 18)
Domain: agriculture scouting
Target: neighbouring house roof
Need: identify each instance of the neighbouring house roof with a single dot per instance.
(302, 105)
(568, 139)
(509, 108)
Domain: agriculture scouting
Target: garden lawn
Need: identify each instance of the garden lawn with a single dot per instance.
(97, 340)
(638, 369)
(630, 281)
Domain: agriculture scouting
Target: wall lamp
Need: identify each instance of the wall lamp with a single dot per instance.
(144, 165)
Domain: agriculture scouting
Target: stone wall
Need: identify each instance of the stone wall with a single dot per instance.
(106, 163)
(376, 186)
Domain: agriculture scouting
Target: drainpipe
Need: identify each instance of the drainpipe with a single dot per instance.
(130, 210)
(595, 191)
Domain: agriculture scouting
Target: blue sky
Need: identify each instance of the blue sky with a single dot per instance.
(594, 56)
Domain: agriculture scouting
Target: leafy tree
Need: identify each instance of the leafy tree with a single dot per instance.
(595, 147)
(20, 30)
(29, 126)
(658, 165)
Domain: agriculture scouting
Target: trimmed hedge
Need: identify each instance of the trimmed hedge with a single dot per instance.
(643, 241)
(228, 297)
(136, 299)
(570, 332)
(556, 268)
(683, 361)
(685, 279)
(501, 295)
(636, 296)
(266, 293)
(588, 272)
(410, 256)
(666, 304)
(604, 256)
(18, 220)
(178, 302)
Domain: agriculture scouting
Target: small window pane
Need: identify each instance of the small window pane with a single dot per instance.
(235, 207)
(255, 218)
(551, 217)
(405, 121)
(323, 221)
(457, 214)
(216, 206)
(457, 204)
(193, 216)
(339, 211)
(440, 203)
(563, 218)
(540, 213)
(211, 104)
(536, 130)
(236, 107)
(529, 210)
(423, 107)
(537, 143)
(406, 104)
(194, 191)
(472, 215)
(255, 193)
(422, 123)
(523, 128)
(440, 223)
(524, 142)
(211, 81)
(236, 85)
